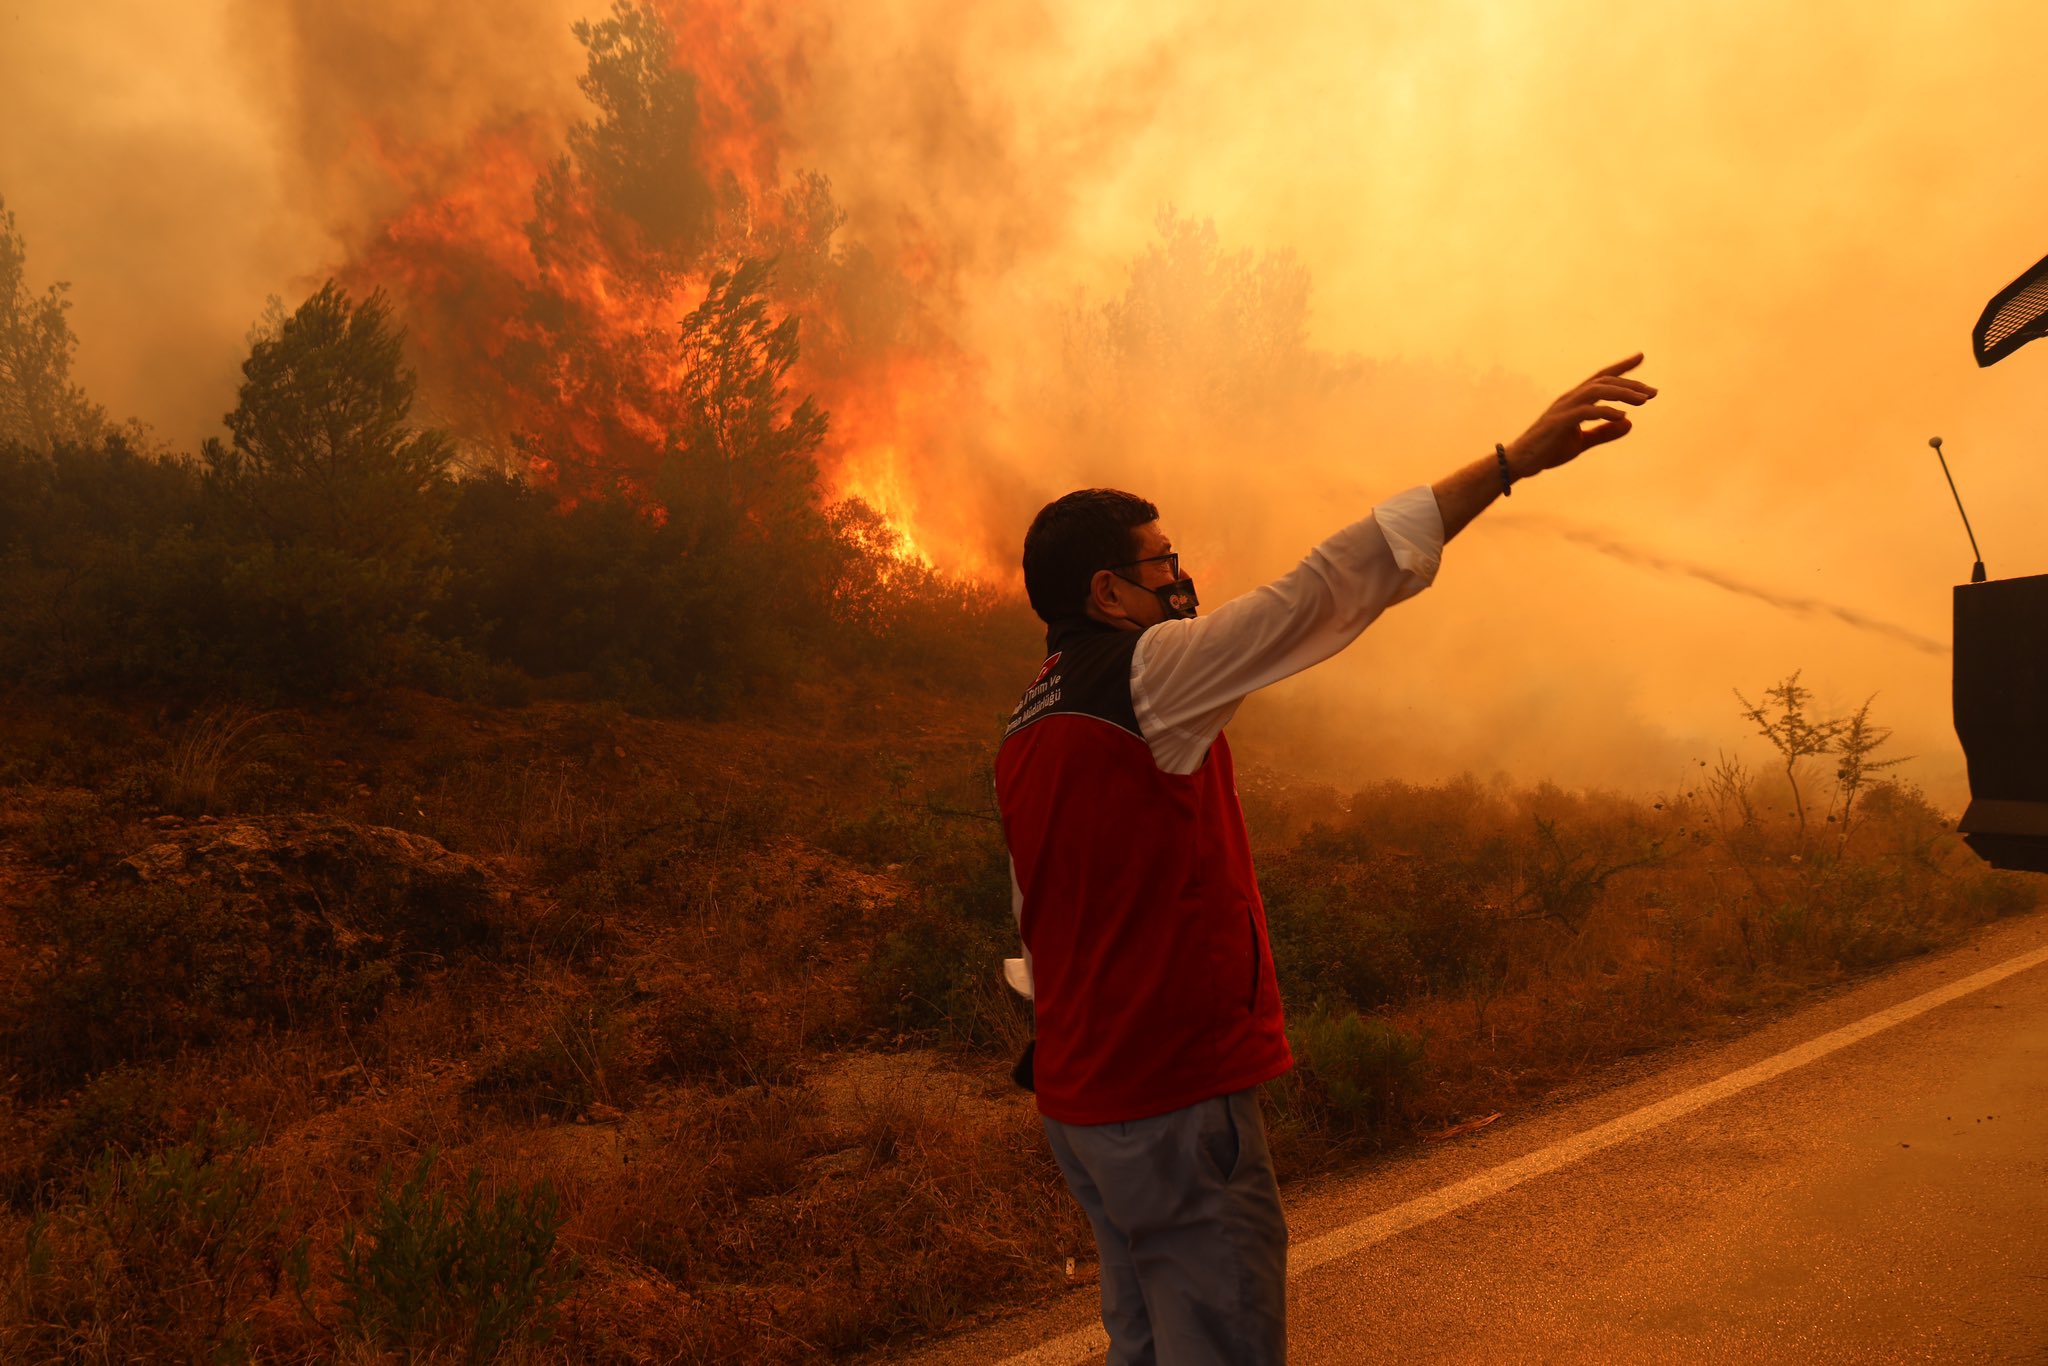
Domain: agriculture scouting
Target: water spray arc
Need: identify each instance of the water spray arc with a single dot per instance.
(1728, 583)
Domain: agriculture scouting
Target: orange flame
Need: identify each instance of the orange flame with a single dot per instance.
(546, 336)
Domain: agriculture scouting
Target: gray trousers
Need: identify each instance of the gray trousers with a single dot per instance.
(1187, 1219)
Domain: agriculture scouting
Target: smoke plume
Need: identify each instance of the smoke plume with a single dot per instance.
(1265, 267)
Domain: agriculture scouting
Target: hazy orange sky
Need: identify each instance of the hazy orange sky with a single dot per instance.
(1797, 212)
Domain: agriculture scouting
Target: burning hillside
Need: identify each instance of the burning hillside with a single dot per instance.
(563, 290)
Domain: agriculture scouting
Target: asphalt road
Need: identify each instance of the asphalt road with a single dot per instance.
(1863, 1179)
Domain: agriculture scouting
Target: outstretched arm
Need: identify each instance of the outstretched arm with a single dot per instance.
(1556, 438)
(1187, 677)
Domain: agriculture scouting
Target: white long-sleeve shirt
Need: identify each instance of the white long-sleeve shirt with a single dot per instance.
(1188, 677)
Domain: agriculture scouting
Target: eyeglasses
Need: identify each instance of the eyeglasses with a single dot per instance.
(1171, 560)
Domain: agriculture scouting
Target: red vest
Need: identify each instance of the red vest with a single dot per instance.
(1153, 981)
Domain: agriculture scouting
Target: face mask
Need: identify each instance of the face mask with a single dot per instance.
(1176, 599)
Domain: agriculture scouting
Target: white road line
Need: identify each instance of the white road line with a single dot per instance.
(1354, 1237)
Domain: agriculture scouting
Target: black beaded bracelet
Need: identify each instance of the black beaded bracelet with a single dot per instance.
(1507, 484)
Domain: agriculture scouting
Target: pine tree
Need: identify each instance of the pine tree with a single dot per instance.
(39, 405)
(323, 450)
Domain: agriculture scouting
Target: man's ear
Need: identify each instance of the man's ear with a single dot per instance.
(1102, 594)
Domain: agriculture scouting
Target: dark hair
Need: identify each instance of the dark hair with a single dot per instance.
(1071, 538)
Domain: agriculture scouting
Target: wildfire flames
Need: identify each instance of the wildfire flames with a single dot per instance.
(543, 274)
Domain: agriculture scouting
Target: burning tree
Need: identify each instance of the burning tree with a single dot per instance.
(735, 437)
(641, 154)
(543, 293)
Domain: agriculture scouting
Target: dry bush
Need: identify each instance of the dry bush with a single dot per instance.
(74, 830)
(213, 752)
(573, 1065)
(1530, 935)
(232, 930)
(718, 916)
(61, 740)
(615, 852)
(164, 1256)
(689, 1037)
(783, 1227)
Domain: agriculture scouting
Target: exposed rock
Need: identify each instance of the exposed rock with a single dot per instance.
(332, 888)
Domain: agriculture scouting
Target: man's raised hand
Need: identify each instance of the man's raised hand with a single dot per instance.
(1580, 420)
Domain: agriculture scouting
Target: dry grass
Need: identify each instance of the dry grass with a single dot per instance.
(215, 745)
(747, 1024)
(1526, 937)
(794, 1223)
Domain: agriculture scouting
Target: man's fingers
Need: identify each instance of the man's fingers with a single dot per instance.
(1602, 435)
(1610, 387)
(1620, 367)
(1564, 431)
(1612, 424)
(1623, 390)
(1593, 412)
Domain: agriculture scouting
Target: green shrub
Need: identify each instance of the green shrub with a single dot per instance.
(471, 1274)
(1861, 914)
(133, 973)
(1353, 1074)
(911, 981)
(71, 829)
(1329, 944)
(123, 1109)
(161, 1258)
(57, 740)
(935, 973)
(886, 833)
(940, 976)
(450, 668)
(653, 614)
(1350, 922)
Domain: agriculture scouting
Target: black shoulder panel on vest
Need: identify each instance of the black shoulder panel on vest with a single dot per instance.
(1089, 675)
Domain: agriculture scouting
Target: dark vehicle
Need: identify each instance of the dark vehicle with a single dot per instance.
(2001, 649)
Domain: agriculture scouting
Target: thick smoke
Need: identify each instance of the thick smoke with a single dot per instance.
(1482, 204)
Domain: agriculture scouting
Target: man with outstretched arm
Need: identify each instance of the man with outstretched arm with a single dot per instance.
(1144, 936)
